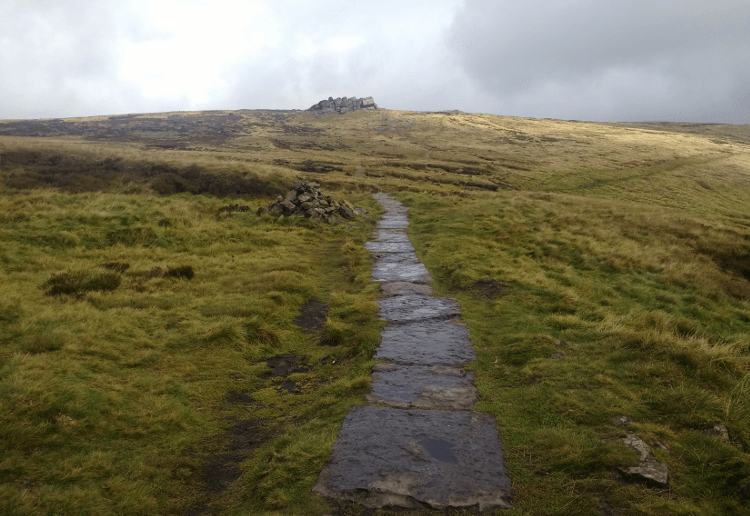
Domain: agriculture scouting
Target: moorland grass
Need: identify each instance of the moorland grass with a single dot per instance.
(618, 253)
(610, 309)
(116, 393)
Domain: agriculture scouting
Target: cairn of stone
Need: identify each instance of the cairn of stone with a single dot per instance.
(343, 105)
(306, 200)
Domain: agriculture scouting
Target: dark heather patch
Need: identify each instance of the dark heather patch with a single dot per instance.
(318, 167)
(185, 271)
(486, 288)
(312, 316)
(117, 266)
(75, 173)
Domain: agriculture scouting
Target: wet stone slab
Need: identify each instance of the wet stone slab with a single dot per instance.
(422, 387)
(426, 343)
(390, 271)
(393, 222)
(396, 257)
(389, 247)
(385, 235)
(417, 457)
(416, 307)
(404, 288)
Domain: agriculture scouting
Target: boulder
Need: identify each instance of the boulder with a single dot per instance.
(648, 470)
(345, 212)
(721, 432)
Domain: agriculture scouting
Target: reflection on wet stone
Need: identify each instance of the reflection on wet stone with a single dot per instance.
(440, 449)
(385, 235)
(415, 272)
(420, 343)
(417, 307)
(434, 457)
(389, 247)
(424, 387)
(395, 258)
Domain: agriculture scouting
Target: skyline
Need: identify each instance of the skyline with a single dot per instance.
(574, 59)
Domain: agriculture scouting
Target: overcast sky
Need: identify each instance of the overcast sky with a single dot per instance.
(603, 60)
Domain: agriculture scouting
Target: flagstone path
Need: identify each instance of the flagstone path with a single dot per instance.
(416, 445)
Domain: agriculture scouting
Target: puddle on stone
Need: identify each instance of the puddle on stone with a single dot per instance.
(440, 449)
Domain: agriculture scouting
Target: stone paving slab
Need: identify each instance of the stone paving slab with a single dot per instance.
(389, 247)
(396, 257)
(401, 455)
(432, 457)
(393, 222)
(426, 343)
(422, 387)
(403, 288)
(389, 235)
(416, 307)
(394, 271)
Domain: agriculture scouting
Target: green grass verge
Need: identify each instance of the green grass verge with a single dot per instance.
(651, 312)
(123, 378)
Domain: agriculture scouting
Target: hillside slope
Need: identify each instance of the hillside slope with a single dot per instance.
(603, 271)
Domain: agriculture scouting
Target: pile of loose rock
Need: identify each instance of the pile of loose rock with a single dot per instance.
(343, 105)
(306, 199)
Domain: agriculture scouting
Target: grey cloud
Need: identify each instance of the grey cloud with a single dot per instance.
(398, 61)
(675, 59)
(61, 59)
(583, 59)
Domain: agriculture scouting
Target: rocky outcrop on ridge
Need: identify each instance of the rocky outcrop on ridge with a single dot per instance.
(305, 199)
(343, 105)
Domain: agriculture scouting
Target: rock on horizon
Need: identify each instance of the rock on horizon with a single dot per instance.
(343, 105)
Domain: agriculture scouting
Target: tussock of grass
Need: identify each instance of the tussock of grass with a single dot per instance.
(75, 283)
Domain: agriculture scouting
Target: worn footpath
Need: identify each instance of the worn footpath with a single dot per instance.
(416, 445)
